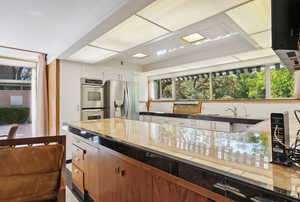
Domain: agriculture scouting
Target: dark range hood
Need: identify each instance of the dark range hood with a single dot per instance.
(285, 32)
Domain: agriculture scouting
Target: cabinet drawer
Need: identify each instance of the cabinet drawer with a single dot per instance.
(77, 177)
(77, 156)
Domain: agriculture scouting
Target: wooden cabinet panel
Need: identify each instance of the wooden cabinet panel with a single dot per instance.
(91, 171)
(77, 156)
(77, 177)
(108, 167)
(134, 183)
(164, 190)
(122, 181)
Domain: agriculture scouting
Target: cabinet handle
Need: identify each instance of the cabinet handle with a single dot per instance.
(122, 173)
(117, 170)
(76, 171)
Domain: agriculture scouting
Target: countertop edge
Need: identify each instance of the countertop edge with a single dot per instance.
(205, 117)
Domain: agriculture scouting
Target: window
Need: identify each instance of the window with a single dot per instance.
(156, 88)
(166, 88)
(246, 83)
(15, 107)
(282, 83)
(192, 87)
(239, 85)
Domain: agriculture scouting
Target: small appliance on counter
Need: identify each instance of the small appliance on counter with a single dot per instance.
(283, 152)
(92, 104)
(280, 137)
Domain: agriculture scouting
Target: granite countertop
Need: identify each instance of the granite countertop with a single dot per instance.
(208, 117)
(244, 155)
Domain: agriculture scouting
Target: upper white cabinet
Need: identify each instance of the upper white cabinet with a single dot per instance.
(70, 91)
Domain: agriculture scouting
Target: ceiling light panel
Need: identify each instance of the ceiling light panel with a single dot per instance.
(192, 38)
(255, 54)
(263, 39)
(128, 34)
(175, 15)
(89, 54)
(139, 55)
(253, 17)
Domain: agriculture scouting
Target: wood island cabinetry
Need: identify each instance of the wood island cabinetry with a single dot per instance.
(106, 175)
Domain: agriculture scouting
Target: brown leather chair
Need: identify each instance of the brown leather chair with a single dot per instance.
(12, 132)
(32, 169)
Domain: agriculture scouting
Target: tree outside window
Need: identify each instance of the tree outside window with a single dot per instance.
(282, 83)
(239, 86)
(192, 88)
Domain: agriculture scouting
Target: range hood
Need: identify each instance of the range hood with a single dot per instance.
(285, 32)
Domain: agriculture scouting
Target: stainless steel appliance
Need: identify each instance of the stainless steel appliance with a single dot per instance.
(120, 100)
(91, 114)
(92, 93)
(92, 100)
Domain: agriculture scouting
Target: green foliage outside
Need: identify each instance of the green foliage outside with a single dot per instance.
(235, 86)
(193, 89)
(240, 86)
(282, 83)
(10, 115)
(166, 90)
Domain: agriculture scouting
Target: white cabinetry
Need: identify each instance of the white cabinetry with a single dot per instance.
(70, 91)
(189, 123)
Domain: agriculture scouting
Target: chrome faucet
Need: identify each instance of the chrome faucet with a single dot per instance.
(233, 110)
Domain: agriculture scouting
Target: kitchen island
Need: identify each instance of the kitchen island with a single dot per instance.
(125, 160)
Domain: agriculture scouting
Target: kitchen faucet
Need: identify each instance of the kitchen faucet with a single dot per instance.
(233, 110)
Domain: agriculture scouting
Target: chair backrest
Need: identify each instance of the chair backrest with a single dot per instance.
(31, 169)
(12, 131)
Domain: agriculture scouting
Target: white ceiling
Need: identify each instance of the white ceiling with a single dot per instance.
(50, 26)
(98, 31)
(229, 27)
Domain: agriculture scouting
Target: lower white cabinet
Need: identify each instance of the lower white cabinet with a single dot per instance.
(189, 123)
(145, 118)
(237, 127)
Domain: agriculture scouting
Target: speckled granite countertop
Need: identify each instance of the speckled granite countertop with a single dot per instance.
(242, 158)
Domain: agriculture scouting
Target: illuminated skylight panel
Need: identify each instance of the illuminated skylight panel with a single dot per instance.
(175, 15)
(89, 54)
(263, 39)
(252, 17)
(130, 33)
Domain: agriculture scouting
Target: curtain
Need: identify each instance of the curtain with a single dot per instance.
(40, 125)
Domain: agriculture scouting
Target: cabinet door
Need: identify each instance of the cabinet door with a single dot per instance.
(203, 124)
(134, 184)
(108, 169)
(223, 126)
(91, 182)
(164, 190)
(70, 91)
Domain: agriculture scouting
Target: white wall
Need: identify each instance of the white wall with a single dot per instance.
(71, 72)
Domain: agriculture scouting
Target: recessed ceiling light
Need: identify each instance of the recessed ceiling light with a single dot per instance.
(139, 55)
(192, 38)
(90, 54)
